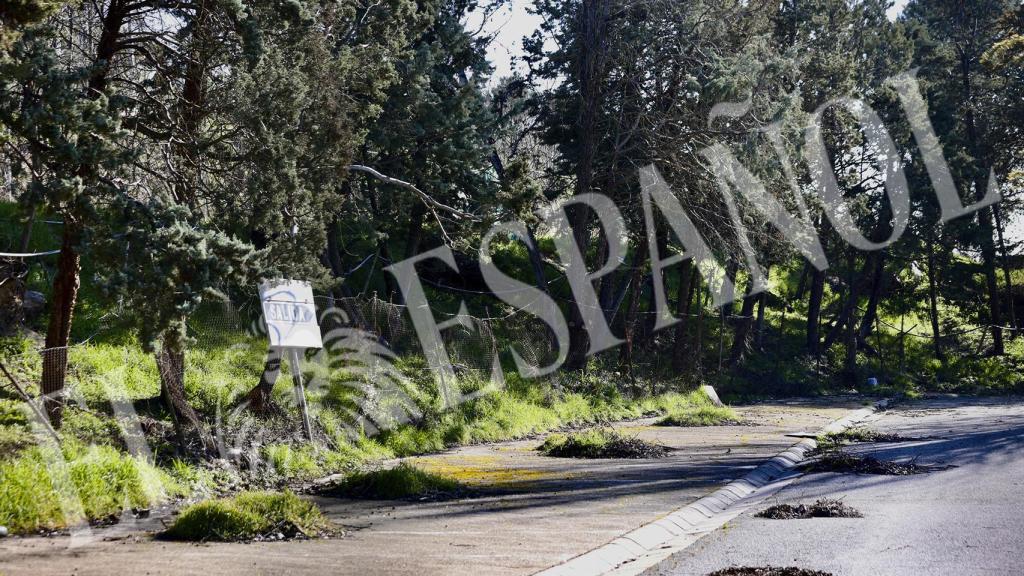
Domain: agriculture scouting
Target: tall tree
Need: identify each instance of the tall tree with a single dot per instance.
(966, 102)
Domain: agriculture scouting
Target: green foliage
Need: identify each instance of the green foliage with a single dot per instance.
(249, 515)
(88, 428)
(42, 488)
(291, 462)
(176, 265)
(14, 431)
(401, 482)
(525, 409)
(985, 376)
(16, 15)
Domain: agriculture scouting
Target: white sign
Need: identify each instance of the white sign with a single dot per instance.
(290, 314)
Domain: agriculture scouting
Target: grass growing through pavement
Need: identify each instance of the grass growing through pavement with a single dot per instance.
(838, 461)
(596, 443)
(834, 441)
(852, 435)
(700, 416)
(823, 508)
(399, 483)
(247, 516)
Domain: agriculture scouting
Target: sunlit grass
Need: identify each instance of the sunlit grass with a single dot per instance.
(249, 515)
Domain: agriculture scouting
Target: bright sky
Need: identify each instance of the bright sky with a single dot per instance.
(897, 7)
(511, 23)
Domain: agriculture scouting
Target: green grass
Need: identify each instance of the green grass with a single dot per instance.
(599, 443)
(701, 416)
(14, 432)
(401, 482)
(294, 462)
(249, 515)
(522, 411)
(224, 365)
(42, 488)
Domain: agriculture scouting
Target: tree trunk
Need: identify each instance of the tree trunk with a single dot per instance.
(814, 310)
(334, 253)
(260, 399)
(687, 275)
(69, 264)
(1007, 277)
(848, 313)
(801, 285)
(65, 295)
(728, 291)
(536, 261)
(701, 309)
(636, 281)
(594, 17)
(988, 257)
(933, 301)
(762, 300)
(414, 235)
(867, 323)
(187, 425)
(988, 249)
(26, 232)
(741, 339)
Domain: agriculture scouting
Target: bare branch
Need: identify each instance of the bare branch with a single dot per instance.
(426, 198)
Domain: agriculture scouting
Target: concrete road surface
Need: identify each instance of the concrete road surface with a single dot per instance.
(544, 511)
(964, 520)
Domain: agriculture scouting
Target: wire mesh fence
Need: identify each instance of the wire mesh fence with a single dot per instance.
(227, 350)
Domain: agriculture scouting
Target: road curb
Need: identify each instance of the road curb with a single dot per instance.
(646, 546)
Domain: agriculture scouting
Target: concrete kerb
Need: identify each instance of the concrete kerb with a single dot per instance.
(646, 546)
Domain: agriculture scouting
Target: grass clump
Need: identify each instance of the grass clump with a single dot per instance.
(701, 416)
(599, 444)
(248, 516)
(837, 461)
(858, 434)
(48, 489)
(402, 482)
(823, 508)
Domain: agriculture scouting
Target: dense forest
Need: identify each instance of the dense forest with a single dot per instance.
(159, 158)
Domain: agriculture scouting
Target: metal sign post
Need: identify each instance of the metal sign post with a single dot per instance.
(295, 359)
(290, 315)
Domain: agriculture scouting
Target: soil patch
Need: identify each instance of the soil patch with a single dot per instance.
(824, 508)
(768, 571)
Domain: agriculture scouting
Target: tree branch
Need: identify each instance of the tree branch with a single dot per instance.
(426, 198)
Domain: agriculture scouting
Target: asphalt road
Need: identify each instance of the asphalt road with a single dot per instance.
(964, 520)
